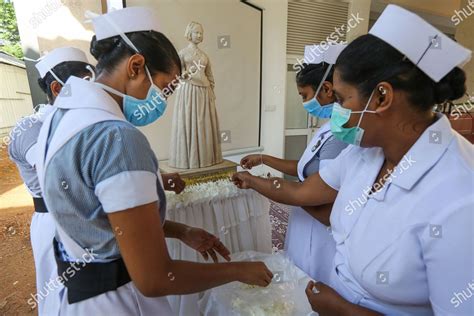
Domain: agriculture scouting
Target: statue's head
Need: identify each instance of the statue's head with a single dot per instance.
(194, 32)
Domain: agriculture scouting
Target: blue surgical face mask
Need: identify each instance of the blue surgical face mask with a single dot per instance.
(139, 112)
(340, 116)
(142, 112)
(313, 107)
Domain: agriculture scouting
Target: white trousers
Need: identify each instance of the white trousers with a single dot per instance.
(125, 301)
(47, 298)
(310, 245)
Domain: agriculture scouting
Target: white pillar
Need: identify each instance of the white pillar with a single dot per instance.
(275, 16)
(48, 24)
(362, 9)
(464, 36)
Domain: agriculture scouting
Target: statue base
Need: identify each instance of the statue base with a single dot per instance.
(216, 172)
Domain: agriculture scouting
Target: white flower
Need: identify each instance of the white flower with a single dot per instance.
(202, 193)
(275, 308)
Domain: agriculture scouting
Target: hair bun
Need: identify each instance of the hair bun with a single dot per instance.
(451, 87)
(42, 84)
(103, 47)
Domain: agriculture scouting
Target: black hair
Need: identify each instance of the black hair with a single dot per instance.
(312, 74)
(368, 61)
(160, 54)
(63, 71)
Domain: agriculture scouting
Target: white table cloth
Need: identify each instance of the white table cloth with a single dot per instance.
(240, 218)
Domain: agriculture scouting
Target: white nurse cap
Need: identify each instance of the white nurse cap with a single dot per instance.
(132, 19)
(57, 56)
(328, 53)
(430, 49)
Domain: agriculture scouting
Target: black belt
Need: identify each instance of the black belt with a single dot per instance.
(40, 207)
(86, 280)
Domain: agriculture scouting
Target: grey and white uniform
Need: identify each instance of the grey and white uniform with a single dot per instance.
(95, 163)
(308, 243)
(23, 152)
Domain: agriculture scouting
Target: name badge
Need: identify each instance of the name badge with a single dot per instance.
(316, 146)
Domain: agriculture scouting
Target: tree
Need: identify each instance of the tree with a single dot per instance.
(9, 35)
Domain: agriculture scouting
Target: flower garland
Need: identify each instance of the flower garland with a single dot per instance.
(203, 192)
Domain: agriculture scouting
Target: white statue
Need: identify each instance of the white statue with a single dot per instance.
(195, 141)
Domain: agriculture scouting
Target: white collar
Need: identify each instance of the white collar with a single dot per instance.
(426, 152)
(43, 111)
(79, 93)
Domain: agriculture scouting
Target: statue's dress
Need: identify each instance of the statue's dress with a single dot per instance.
(195, 141)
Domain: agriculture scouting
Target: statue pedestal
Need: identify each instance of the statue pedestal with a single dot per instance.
(219, 171)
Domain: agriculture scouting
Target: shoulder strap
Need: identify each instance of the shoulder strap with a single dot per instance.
(72, 248)
(309, 154)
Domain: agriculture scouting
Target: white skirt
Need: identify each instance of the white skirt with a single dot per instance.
(47, 298)
(310, 245)
(195, 140)
(125, 301)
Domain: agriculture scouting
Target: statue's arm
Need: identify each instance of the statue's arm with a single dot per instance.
(183, 65)
(209, 74)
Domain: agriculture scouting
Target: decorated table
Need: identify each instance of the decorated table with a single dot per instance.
(240, 218)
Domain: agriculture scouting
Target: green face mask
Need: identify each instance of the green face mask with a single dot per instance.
(340, 116)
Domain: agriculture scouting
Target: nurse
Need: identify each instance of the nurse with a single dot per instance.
(309, 243)
(54, 69)
(403, 203)
(101, 182)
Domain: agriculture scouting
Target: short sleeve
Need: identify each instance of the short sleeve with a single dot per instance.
(122, 166)
(22, 137)
(448, 251)
(32, 155)
(333, 171)
(332, 148)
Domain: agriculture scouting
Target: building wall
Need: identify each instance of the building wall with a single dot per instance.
(361, 8)
(15, 98)
(274, 75)
(464, 35)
